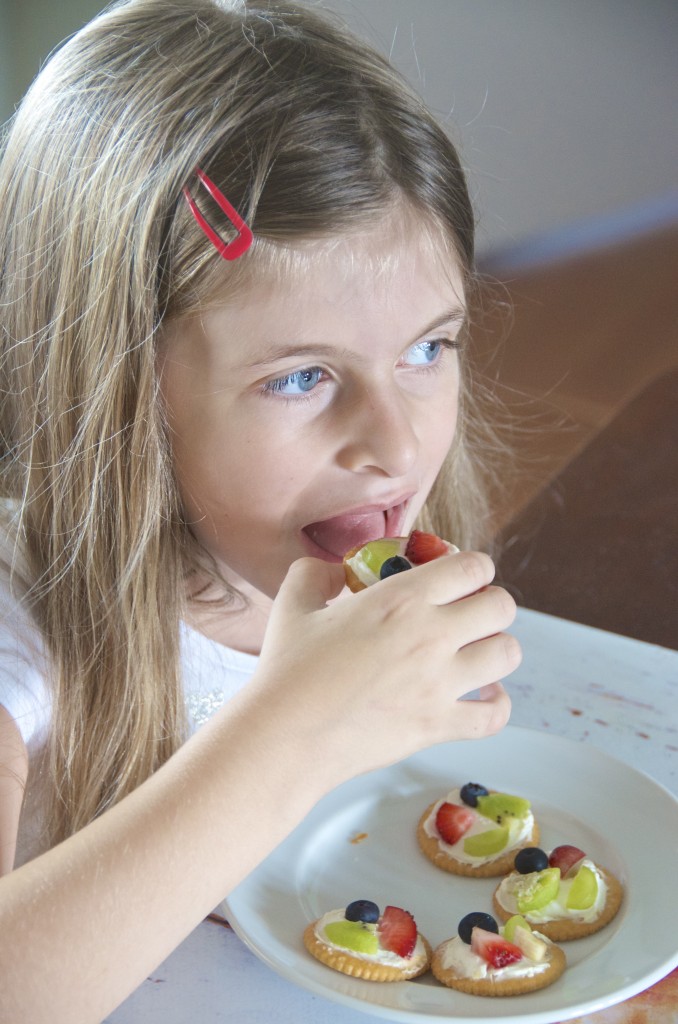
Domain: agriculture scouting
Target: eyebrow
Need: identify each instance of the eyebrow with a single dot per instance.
(296, 351)
(454, 316)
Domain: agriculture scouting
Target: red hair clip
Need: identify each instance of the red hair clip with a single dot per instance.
(242, 241)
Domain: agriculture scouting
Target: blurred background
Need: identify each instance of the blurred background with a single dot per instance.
(565, 114)
(564, 110)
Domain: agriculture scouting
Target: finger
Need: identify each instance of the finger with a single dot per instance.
(490, 691)
(447, 579)
(481, 663)
(473, 719)
(310, 583)
(476, 617)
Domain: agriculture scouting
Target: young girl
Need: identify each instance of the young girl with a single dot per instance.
(237, 263)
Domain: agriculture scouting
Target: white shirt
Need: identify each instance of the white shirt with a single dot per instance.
(212, 674)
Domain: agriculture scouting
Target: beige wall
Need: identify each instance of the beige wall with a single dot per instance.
(564, 109)
(29, 30)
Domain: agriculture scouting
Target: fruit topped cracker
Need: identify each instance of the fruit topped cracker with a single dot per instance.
(364, 942)
(476, 832)
(374, 561)
(563, 893)
(484, 960)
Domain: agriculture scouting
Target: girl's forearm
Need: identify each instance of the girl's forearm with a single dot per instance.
(84, 924)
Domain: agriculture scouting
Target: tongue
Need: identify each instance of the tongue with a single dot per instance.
(342, 533)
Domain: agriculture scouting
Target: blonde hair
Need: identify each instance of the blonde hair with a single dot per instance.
(309, 133)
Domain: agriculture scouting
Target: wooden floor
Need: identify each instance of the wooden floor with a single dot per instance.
(587, 522)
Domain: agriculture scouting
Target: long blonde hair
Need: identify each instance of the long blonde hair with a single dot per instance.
(309, 133)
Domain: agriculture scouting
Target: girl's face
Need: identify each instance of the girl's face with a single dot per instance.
(313, 415)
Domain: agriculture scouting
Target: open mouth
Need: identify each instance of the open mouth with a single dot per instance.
(331, 538)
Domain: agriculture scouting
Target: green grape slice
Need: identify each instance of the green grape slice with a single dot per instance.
(484, 844)
(517, 921)
(537, 889)
(376, 552)
(583, 890)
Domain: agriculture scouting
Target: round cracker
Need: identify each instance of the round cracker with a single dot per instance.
(566, 929)
(497, 986)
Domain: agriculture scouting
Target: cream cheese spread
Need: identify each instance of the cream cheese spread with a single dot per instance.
(458, 956)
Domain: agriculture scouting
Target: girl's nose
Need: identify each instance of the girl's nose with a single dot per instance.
(379, 435)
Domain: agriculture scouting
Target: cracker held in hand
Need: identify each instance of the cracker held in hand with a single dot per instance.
(476, 832)
(483, 960)
(564, 894)
(368, 563)
(364, 943)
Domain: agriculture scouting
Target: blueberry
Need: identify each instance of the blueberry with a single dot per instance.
(477, 919)
(362, 910)
(393, 565)
(470, 793)
(530, 859)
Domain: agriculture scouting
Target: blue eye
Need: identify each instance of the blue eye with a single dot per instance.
(424, 353)
(298, 383)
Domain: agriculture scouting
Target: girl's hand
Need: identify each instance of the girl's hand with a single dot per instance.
(378, 675)
(341, 688)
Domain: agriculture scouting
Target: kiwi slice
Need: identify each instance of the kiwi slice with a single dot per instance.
(352, 935)
(498, 806)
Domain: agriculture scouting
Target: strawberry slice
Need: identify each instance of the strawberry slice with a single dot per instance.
(453, 821)
(424, 547)
(397, 931)
(565, 857)
(494, 950)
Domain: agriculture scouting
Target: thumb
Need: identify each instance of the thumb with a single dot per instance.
(310, 583)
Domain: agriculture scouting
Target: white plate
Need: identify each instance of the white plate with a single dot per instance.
(623, 819)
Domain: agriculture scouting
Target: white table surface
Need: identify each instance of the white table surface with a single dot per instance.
(620, 695)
